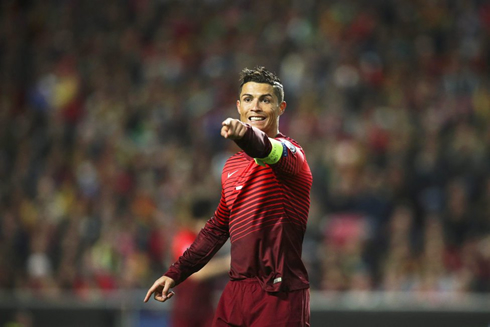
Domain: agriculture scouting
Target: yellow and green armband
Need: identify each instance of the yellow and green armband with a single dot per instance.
(275, 154)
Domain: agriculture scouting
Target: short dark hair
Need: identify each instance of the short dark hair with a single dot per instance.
(261, 75)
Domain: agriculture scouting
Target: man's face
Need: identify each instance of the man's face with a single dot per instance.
(260, 107)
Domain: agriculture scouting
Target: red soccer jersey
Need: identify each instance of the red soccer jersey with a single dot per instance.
(263, 210)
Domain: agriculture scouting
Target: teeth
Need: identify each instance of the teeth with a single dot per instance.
(256, 118)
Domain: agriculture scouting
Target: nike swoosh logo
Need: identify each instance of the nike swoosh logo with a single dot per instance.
(229, 174)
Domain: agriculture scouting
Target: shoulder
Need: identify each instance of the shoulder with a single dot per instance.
(234, 159)
(290, 143)
(233, 162)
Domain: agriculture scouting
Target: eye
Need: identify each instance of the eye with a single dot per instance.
(247, 99)
(266, 100)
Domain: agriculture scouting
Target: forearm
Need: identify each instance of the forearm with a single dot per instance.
(255, 143)
(215, 267)
(259, 146)
(209, 240)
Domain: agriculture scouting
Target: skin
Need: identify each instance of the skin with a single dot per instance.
(259, 100)
(161, 289)
(256, 100)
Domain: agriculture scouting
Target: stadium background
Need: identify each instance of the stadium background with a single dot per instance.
(109, 128)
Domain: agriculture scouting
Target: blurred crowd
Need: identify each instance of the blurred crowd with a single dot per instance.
(110, 115)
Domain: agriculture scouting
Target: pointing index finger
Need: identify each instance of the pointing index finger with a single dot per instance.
(150, 292)
(226, 122)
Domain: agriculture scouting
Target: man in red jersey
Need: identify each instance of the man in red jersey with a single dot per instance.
(264, 206)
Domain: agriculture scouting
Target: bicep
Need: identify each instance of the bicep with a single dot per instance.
(292, 160)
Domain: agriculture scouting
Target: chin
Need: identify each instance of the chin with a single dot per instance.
(259, 124)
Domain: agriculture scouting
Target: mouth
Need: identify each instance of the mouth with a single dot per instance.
(256, 118)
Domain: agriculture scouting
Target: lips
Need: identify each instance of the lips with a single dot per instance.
(256, 118)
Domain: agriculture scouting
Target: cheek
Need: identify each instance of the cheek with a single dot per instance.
(241, 110)
(242, 113)
(274, 114)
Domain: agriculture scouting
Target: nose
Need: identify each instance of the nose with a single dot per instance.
(256, 105)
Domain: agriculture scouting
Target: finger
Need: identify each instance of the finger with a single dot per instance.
(243, 130)
(150, 292)
(224, 131)
(170, 294)
(226, 122)
(162, 297)
(159, 297)
(166, 289)
(239, 129)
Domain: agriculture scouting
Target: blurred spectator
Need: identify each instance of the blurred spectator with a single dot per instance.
(199, 291)
(110, 118)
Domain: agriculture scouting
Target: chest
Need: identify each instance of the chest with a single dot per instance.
(245, 182)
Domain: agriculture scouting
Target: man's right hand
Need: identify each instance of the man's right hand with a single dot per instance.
(233, 129)
(161, 289)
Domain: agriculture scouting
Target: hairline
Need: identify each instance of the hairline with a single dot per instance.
(277, 89)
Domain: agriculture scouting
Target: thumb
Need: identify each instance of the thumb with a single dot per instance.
(170, 294)
(225, 129)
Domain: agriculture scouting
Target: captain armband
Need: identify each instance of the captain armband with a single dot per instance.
(278, 150)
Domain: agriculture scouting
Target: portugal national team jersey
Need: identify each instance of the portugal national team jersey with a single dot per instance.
(264, 211)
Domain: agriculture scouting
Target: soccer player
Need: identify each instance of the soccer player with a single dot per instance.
(264, 207)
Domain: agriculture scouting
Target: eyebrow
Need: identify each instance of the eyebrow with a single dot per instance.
(262, 95)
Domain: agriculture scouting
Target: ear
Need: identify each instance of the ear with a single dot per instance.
(238, 106)
(282, 107)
